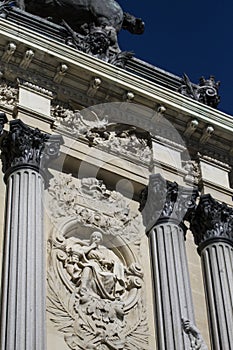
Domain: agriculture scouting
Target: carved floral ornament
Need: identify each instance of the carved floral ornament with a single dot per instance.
(92, 204)
(121, 139)
(95, 289)
(212, 221)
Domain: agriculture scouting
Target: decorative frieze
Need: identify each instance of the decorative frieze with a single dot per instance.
(122, 139)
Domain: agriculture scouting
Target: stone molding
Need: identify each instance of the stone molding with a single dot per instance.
(24, 146)
(163, 200)
(212, 221)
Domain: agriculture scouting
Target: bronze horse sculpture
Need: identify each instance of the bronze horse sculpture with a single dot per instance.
(102, 13)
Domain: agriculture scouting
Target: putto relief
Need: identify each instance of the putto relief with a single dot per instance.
(95, 291)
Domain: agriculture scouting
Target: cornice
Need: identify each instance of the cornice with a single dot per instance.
(114, 75)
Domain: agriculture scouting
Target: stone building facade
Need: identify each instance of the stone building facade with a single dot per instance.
(116, 199)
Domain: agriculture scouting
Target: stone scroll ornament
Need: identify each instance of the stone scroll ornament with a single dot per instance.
(205, 92)
(92, 26)
(94, 292)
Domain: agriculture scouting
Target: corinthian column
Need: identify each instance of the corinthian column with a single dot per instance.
(165, 206)
(25, 153)
(212, 227)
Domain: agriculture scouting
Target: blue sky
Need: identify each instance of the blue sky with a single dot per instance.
(186, 36)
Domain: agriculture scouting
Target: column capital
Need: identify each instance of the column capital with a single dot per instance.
(24, 146)
(166, 201)
(212, 221)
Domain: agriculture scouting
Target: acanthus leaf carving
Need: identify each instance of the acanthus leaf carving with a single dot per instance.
(212, 220)
(3, 121)
(23, 145)
(165, 200)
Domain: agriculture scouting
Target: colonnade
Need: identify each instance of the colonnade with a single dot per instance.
(165, 206)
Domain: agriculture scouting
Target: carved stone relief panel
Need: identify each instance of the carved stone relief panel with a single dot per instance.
(95, 280)
(8, 94)
(91, 203)
(122, 139)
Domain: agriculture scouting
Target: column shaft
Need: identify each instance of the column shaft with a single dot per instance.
(217, 265)
(23, 324)
(173, 300)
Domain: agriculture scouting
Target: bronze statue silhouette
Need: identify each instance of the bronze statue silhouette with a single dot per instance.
(91, 26)
(101, 13)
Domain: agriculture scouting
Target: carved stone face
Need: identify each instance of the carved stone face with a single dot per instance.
(96, 237)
